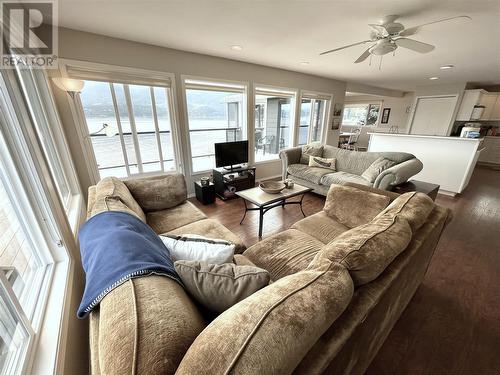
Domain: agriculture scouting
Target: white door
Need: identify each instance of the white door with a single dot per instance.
(433, 115)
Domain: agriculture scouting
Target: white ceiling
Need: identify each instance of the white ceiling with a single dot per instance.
(282, 33)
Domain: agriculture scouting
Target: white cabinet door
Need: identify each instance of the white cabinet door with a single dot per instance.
(495, 113)
(469, 100)
(433, 115)
(488, 100)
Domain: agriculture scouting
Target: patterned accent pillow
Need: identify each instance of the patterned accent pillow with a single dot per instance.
(327, 163)
(310, 150)
(377, 167)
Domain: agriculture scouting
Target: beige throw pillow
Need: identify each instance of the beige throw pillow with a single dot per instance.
(376, 168)
(310, 150)
(327, 163)
(413, 207)
(367, 250)
(353, 207)
(219, 286)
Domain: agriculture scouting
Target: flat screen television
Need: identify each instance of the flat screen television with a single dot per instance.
(228, 154)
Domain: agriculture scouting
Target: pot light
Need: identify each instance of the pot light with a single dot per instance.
(433, 78)
(236, 47)
(449, 66)
(304, 63)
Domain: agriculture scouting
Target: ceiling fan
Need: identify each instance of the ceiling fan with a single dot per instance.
(387, 36)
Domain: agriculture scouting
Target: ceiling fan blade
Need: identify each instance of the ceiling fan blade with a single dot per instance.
(350, 45)
(413, 30)
(380, 29)
(363, 56)
(414, 45)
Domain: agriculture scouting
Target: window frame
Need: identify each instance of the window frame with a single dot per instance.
(115, 74)
(294, 95)
(315, 95)
(211, 84)
(30, 176)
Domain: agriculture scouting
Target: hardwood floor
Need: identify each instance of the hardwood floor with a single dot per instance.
(452, 324)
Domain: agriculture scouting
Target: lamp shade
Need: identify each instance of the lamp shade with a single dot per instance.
(68, 84)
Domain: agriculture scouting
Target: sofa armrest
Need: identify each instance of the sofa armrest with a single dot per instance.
(398, 174)
(289, 156)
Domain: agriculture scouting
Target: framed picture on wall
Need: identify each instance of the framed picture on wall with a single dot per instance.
(337, 110)
(385, 115)
(336, 124)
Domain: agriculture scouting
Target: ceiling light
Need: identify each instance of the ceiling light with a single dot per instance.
(304, 63)
(236, 47)
(449, 66)
(433, 78)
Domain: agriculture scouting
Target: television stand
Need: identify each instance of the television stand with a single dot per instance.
(228, 182)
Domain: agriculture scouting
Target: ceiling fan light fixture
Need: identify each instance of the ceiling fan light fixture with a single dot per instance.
(383, 47)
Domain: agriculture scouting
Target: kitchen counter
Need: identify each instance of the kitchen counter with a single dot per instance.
(448, 161)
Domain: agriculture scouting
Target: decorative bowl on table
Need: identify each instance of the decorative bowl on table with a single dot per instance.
(272, 187)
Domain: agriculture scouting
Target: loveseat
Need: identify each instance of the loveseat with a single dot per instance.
(349, 166)
(340, 280)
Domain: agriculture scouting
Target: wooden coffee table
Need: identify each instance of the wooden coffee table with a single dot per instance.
(265, 201)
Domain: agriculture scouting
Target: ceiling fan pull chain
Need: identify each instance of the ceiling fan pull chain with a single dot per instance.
(380, 63)
(370, 63)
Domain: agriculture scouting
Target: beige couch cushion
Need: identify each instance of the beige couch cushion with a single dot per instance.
(310, 150)
(353, 207)
(142, 327)
(368, 249)
(217, 287)
(272, 330)
(158, 193)
(413, 207)
(285, 253)
(167, 220)
(305, 172)
(212, 229)
(320, 226)
(341, 178)
(110, 188)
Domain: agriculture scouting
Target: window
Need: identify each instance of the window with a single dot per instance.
(312, 119)
(275, 110)
(30, 245)
(216, 113)
(129, 126)
(361, 114)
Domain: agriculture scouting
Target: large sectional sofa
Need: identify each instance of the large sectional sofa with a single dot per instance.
(350, 166)
(325, 311)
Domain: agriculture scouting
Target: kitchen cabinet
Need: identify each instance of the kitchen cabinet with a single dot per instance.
(491, 152)
(490, 100)
(495, 113)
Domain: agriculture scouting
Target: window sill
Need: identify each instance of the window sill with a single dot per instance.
(74, 212)
(270, 161)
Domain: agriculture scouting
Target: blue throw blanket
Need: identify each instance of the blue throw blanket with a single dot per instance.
(116, 247)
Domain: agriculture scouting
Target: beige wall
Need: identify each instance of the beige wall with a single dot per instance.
(101, 49)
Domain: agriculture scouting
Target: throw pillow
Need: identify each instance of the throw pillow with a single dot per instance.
(327, 163)
(310, 150)
(195, 247)
(413, 207)
(218, 287)
(367, 250)
(376, 168)
(159, 193)
(353, 207)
